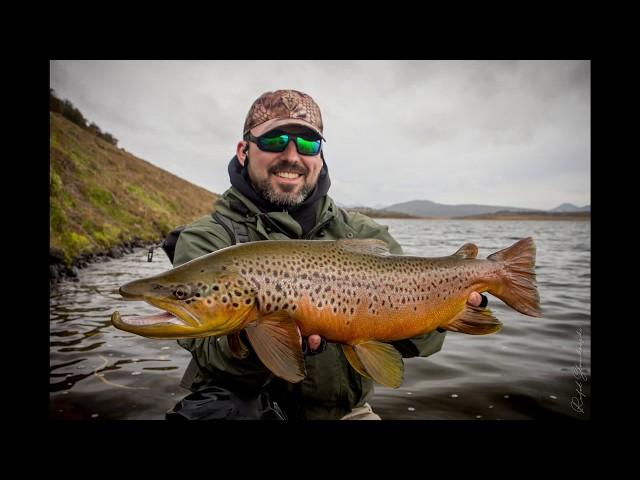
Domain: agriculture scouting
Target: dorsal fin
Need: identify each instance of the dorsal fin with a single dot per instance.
(468, 250)
(365, 245)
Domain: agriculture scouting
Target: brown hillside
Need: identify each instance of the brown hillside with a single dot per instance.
(101, 196)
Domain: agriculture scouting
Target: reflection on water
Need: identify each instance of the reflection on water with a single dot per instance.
(534, 368)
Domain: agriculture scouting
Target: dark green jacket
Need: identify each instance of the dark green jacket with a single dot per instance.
(331, 388)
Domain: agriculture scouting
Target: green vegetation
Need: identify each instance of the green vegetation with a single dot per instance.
(71, 113)
(101, 196)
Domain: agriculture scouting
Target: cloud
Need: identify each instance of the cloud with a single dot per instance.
(492, 132)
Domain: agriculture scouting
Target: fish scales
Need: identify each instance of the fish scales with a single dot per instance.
(352, 292)
(346, 295)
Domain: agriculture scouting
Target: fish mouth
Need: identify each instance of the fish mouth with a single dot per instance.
(164, 318)
(173, 314)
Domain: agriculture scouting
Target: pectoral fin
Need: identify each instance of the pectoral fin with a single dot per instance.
(474, 321)
(381, 361)
(275, 340)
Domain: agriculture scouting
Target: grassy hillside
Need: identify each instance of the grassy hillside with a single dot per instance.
(101, 196)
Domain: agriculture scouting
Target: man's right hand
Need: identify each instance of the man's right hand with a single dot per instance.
(314, 342)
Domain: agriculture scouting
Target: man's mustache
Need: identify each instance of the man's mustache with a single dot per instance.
(290, 167)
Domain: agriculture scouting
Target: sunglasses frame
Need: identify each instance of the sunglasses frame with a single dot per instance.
(290, 136)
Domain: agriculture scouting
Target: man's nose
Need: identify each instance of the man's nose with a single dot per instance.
(290, 153)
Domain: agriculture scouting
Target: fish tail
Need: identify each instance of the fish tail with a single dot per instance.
(518, 286)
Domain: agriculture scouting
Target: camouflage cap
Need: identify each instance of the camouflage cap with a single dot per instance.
(283, 107)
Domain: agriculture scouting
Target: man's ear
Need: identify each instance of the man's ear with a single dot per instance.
(242, 150)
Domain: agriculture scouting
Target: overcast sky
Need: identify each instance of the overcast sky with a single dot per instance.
(503, 133)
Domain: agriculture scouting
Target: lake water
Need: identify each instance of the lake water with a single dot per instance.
(534, 368)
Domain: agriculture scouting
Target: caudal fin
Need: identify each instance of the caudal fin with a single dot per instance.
(518, 287)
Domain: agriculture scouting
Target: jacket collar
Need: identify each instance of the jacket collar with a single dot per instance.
(305, 216)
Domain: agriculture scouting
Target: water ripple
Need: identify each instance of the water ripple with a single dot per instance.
(525, 371)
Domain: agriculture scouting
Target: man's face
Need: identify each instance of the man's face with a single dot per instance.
(283, 178)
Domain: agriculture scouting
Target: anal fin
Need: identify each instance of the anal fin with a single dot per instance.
(474, 321)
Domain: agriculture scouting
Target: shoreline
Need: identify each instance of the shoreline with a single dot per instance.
(60, 270)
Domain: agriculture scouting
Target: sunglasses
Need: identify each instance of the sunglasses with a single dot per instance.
(277, 142)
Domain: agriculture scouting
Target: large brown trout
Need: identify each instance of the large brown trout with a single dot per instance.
(352, 292)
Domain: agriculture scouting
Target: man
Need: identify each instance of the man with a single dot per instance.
(279, 185)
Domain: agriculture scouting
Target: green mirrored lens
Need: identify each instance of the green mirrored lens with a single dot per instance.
(274, 144)
(308, 147)
(278, 143)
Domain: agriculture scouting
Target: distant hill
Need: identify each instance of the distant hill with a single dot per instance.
(102, 196)
(532, 215)
(427, 208)
(570, 207)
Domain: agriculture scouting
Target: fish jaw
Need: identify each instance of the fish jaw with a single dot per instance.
(201, 318)
(162, 325)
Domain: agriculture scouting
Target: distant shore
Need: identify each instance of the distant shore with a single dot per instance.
(572, 216)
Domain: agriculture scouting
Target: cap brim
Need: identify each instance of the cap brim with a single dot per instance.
(280, 122)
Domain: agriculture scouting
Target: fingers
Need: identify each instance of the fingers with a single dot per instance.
(475, 299)
(314, 342)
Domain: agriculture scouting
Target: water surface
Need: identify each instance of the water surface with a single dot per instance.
(534, 368)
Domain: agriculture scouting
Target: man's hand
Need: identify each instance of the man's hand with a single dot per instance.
(474, 299)
(313, 341)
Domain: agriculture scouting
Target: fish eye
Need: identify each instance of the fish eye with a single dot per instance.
(182, 292)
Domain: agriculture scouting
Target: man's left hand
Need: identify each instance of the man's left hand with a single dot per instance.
(475, 299)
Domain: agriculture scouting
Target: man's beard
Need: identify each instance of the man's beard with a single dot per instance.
(266, 190)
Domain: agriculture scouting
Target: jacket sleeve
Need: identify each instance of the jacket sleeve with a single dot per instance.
(421, 346)
(368, 228)
(212, 353)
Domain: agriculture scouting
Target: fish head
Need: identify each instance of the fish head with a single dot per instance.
(200, 298)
